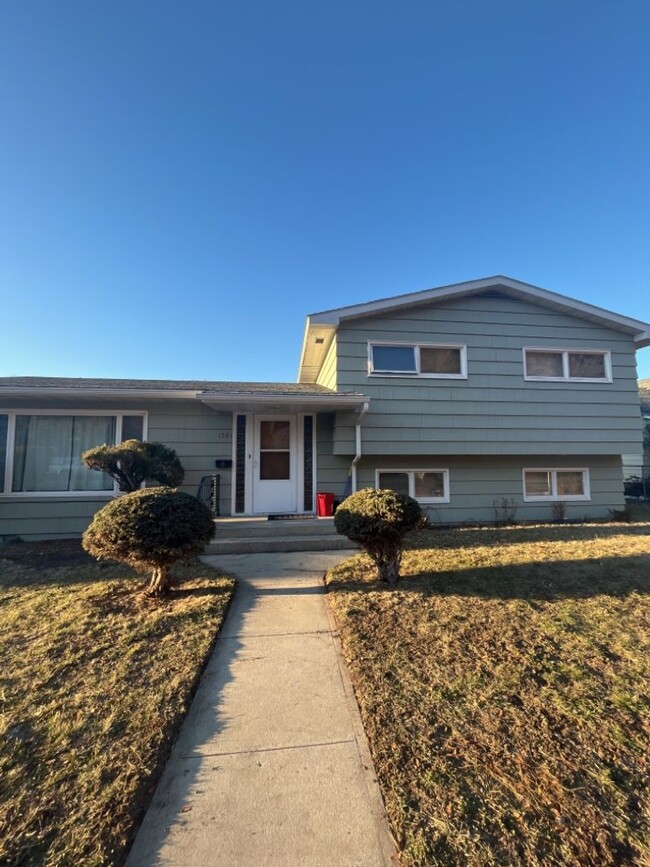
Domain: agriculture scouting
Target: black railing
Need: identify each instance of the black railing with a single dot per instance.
(636, 482)
(208, 493)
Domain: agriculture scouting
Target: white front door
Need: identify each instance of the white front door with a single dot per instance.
(275, 465)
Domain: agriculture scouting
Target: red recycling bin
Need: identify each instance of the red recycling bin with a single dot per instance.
(325, 505)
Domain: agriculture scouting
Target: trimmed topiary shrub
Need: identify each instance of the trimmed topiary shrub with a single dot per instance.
(378, 521)
(134, 462)
(150, 529)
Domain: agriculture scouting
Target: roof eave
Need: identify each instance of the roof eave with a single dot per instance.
(57, 391)
(333, 318)
(333, 399)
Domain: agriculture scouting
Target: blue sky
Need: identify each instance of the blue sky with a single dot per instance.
(180, 183)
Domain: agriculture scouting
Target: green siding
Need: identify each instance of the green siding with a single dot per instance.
(199, 435)
(494, 411)
(476, 482)
(332, 470)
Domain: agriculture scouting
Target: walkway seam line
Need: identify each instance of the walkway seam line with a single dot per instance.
(274, 635)
(271, 749)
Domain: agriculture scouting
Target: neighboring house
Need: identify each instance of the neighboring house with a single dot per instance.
(461, 396)
(644, 394)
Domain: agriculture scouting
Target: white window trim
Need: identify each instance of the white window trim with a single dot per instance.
(416, 347)
(117, 414)
(554, 496)
(411, 477)
(565, 352)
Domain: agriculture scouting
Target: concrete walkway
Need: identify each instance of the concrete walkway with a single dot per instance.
(271, 766)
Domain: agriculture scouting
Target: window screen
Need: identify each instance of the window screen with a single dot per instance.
(429, 485)
(544, 364)
(439, 359)
(587, 365)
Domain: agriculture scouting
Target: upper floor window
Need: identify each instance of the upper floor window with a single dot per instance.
(568, 364)
(418, 359)
(40, 452)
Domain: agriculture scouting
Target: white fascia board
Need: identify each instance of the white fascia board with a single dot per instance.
(22, 391)
(315, 400)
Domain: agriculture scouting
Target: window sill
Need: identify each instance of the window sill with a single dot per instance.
(583, 498)
(58, 495)
(567, 379)
(430, 502)
(390, 375)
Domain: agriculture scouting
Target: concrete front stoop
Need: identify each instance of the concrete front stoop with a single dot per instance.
(271, 767)
(260, 535)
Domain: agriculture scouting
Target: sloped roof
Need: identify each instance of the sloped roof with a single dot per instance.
(162, 385)
(321, 327)
(227, 396)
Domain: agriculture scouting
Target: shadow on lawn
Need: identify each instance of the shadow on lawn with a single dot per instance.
(547, 581)
(472, 537)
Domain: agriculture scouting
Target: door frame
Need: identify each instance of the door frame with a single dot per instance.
(292, 483)
(250, 450)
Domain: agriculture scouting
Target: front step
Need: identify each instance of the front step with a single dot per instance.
(256, 528)
(255, 536)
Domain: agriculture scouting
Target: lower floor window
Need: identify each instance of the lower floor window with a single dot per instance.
(41, 453)
(427, 486)
(556, 484)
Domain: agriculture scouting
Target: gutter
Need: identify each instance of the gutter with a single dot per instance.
(314, 401)
(55, 391)
(357, 434)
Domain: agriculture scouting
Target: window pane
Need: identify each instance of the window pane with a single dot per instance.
(398, 482)
(395, 358)
(4, 423)
(132, 427)
(570, 483)
(538, 484)
(587, 365)
(275, 434)
(48, 448)
(429, 485)
(544, 364)
(439, 359)
(274, 465)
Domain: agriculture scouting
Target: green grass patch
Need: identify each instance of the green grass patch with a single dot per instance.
(505, 690)
(95, 681)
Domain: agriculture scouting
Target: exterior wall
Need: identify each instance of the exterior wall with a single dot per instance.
(200, 436)
(494, 411)
(331, 470)
(197, 433)
(475, 483)
(327, 375)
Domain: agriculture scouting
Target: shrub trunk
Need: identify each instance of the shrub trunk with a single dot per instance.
(160, 581)
(389, 571)
(388, 567)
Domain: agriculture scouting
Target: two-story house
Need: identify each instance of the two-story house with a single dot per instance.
(462, 396)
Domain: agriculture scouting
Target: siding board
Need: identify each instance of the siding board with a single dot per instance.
(493, 411)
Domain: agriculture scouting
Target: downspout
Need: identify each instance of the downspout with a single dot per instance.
(357, 457)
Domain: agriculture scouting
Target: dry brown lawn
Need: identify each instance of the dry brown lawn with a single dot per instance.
(94, 683)
(505, 690)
